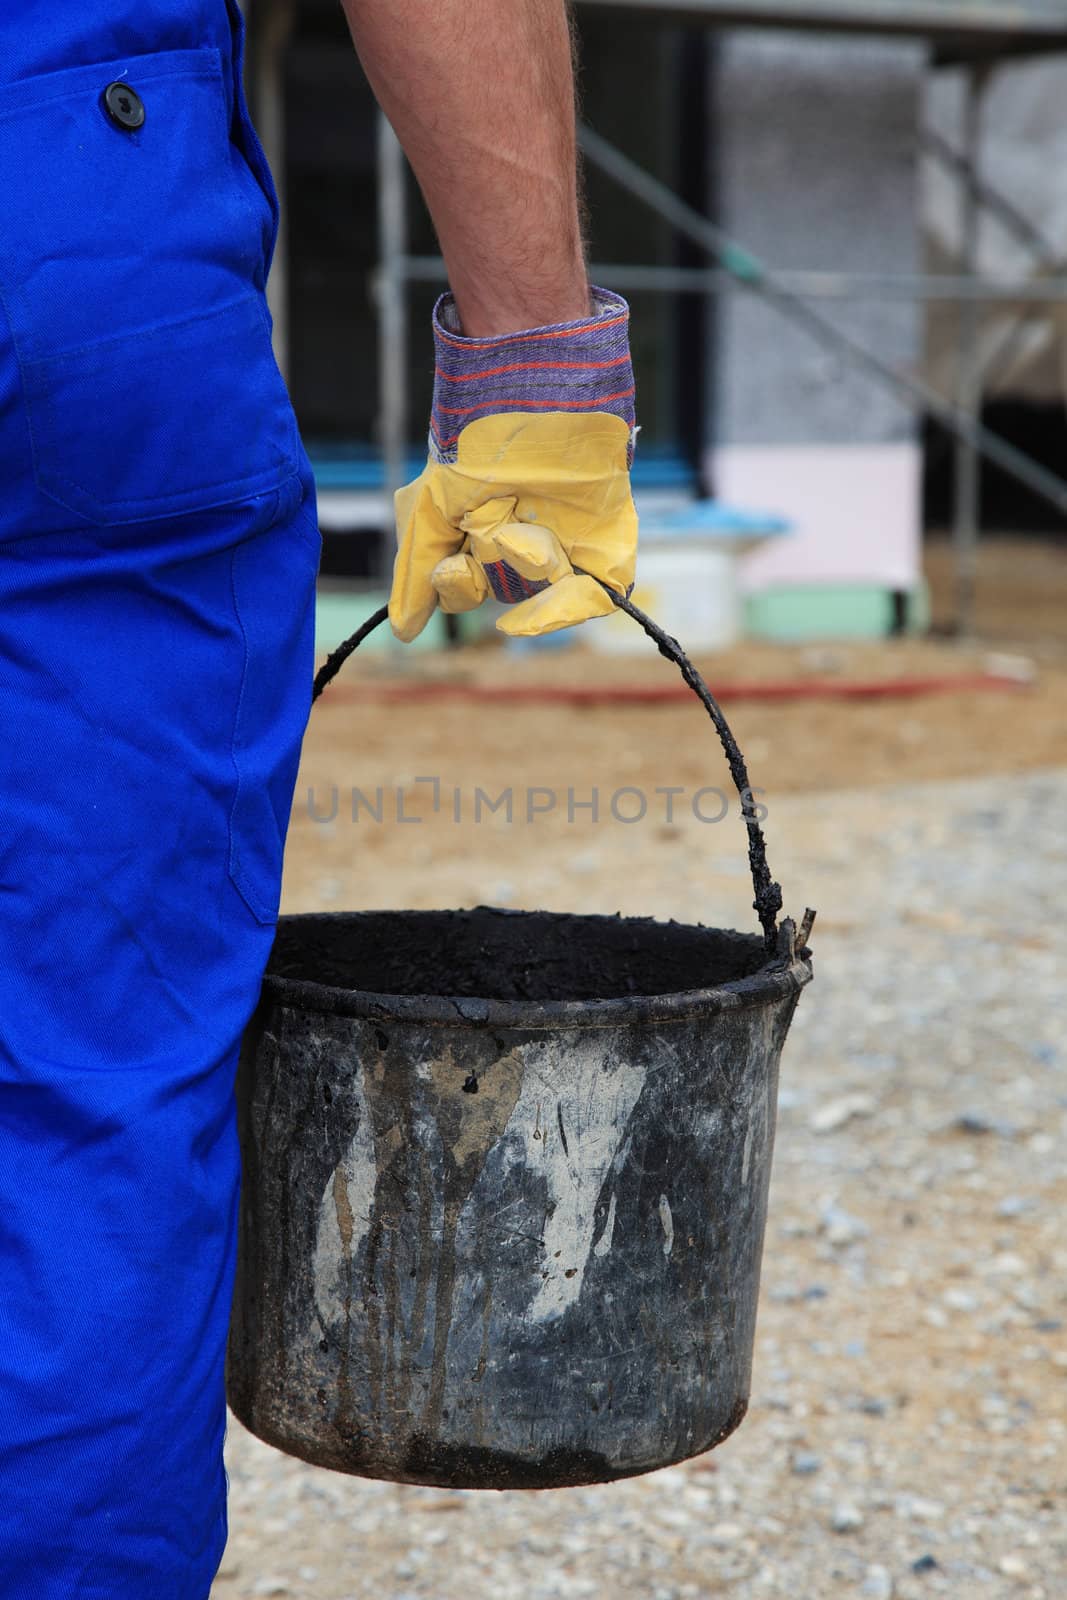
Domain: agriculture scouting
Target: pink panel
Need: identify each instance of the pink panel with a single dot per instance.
(855, 511)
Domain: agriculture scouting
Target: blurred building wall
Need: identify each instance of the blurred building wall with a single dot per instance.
(814, 142)
(1023, 154)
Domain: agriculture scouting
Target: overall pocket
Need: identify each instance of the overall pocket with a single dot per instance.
(134, 246)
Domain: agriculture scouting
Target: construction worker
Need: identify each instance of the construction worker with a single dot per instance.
(158, 554)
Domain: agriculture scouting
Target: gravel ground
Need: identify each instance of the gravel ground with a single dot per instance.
(908, 1429)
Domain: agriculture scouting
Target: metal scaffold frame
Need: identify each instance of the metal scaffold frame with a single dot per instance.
(956, 30)
(972, 34)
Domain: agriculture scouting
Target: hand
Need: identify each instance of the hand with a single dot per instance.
(530, 497)
(519, 498)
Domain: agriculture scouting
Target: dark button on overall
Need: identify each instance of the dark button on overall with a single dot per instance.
(124, 106)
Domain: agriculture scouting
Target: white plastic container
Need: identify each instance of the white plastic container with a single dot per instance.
(687, 578)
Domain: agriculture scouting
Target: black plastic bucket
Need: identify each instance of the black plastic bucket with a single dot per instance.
(505, 1185)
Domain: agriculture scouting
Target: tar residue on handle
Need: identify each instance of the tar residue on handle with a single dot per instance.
(768, 900)
(499, 955)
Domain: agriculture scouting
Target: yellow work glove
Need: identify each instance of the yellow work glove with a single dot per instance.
(530, 497)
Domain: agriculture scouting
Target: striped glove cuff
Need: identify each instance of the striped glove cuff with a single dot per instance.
(565, 366)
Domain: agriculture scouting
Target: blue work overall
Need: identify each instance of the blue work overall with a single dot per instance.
(158, 551)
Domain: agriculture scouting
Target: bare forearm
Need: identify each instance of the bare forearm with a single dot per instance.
(481, 94)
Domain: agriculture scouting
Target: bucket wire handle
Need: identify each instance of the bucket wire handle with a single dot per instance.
(768, 901)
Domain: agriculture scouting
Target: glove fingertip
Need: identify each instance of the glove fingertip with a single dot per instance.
(562, 605)
(407, 624)
(460, 583)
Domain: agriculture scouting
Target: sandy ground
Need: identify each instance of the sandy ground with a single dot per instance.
(908, 1430)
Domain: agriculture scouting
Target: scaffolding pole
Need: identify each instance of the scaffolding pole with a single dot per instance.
(268, 88)
(967, 507)
(392, 322)
(805, 285)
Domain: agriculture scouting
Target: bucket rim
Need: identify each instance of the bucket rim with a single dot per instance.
(780, 977)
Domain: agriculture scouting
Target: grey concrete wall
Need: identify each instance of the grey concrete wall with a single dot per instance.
(814, 143)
